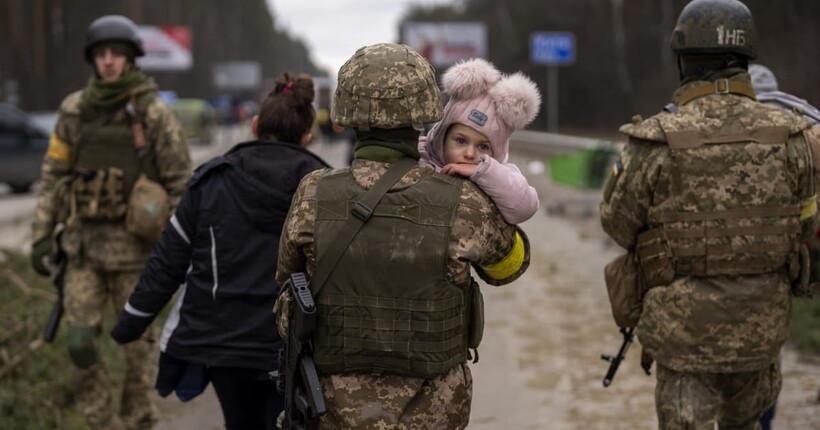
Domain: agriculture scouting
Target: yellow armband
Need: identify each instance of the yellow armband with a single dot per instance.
(511, 263)
(58, 149)
(809, 208)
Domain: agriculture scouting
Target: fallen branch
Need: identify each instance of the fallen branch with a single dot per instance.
(17, 359)
(28, 291)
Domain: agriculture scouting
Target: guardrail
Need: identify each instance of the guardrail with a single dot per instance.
(546, 144)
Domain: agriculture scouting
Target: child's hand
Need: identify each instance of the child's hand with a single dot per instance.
(459, 169)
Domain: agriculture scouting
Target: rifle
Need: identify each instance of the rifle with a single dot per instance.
(296, 377)
(615, 362)
(59, 261)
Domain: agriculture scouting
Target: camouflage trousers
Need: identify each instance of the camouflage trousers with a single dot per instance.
(87, 293)
(698, 401)
(389, 402)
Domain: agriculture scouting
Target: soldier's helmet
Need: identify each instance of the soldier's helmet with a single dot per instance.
(112, 28)
(715, 26)
(386, 86)
(763, 79)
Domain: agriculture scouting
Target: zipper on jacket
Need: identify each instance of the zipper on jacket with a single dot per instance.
(213, 263)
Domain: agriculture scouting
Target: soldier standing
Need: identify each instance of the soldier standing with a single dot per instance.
(115, 167)
(714, 197)
(399, 311)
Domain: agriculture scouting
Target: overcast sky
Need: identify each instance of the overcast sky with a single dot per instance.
(334, 29)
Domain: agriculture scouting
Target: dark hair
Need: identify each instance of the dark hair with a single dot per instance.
(287, 113)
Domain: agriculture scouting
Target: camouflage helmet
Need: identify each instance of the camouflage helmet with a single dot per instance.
(112, 28)
(715, 26)
(386, 86)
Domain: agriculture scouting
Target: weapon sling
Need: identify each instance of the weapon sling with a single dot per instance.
(361, 210)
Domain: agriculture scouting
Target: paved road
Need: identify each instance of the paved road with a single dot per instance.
(539, 363)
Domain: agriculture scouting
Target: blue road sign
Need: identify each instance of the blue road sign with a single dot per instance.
(552, 48)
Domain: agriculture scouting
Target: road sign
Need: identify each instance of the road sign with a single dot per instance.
(552, 48)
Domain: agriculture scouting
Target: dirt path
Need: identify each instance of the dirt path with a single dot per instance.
(540, 365)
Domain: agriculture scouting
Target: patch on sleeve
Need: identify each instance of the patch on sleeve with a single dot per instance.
(58, 149)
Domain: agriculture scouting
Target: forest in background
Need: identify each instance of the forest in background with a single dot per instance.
(623, 62)
(41, 43)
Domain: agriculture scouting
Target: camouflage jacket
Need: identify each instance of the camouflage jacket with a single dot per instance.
(479, 236)
(108, 245)
(707, 323)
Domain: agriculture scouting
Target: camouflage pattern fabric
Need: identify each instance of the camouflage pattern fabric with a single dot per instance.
(87, 293)
(386, 86)
(105, 260)
(695, 401)
(479, 236)
(162, 131)
(718, 323)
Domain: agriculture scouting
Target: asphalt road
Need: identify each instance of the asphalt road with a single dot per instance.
(540, 365)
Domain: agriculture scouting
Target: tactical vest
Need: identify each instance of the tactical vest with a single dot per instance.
(733, 207)
(106, 161)
(401, 316)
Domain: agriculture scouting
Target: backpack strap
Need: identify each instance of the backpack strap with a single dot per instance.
(361, 210)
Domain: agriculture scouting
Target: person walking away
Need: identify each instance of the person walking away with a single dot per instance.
(220, 245)
(116, 166)
(403, 284)
(766, 89)
(472, 139)
(713, 199)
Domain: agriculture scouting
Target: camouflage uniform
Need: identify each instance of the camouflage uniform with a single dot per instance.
(716, 338)
(105, 261)
(479, 236)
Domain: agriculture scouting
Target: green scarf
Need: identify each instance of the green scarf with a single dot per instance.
(387, 145)
(108, 95)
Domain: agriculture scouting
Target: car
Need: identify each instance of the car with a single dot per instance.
(22, 145)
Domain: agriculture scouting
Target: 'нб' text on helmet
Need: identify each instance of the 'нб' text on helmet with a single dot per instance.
(715, 26)
(112, 28)
(386, 86)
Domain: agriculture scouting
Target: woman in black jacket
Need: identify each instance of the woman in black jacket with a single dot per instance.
(221, 245)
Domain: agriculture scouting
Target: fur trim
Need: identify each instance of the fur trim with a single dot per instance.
(470, 78)
(516, 100)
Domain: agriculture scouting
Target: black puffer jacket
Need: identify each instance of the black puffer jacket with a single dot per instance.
(222, 242)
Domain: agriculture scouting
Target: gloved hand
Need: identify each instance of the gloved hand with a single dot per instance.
(129, 327)
(40, 253)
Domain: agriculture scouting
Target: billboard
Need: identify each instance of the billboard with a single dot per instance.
(167, 48)
(445, 43)
(237, 75)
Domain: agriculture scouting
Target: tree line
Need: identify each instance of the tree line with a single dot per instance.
(41, 44)
(623, 63)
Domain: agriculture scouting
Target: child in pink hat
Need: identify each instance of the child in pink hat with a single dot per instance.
(472, 139)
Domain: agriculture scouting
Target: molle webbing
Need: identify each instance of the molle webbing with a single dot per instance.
(729, 214)
(402, 316)
(720, 86)
(690, 238)
(696, 138)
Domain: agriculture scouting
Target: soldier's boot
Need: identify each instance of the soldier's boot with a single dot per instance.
(138, 410)
(93, 397)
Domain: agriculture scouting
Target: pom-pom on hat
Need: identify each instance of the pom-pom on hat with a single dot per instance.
(490, 103)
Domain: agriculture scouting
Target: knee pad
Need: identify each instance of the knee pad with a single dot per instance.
(81, 345)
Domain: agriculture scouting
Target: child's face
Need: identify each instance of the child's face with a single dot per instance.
(462, 144)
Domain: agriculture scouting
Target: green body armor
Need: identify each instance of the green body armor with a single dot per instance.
(107, 163)
(401, 316)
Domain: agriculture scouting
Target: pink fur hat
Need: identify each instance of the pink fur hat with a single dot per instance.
(490, 103)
